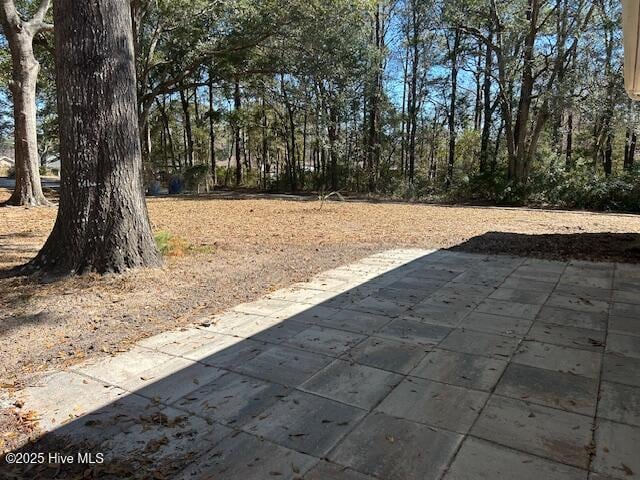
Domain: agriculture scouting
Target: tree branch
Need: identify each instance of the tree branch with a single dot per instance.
(8, 14)
(41, 12)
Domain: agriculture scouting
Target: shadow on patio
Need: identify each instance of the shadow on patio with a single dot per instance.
(408, 364)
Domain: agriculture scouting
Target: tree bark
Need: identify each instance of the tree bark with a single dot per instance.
(632, 151)
(608, 155)
(486, 125)
(569, 152)
(452, 108)
(477, 115)
(237, 104)
(162, 108)
(518, 162)
(102, 224)
(629, 149)
(375, 94)
(265, 146)
(25, 69)
(188, 133)
(403, 118)
(412, 120)
(212, 133)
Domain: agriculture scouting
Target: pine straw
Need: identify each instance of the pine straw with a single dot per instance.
(241, 249)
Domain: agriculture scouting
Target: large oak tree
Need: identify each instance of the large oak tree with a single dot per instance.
(102, 222)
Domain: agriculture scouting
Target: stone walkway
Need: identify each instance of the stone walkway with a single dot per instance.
(409, 364)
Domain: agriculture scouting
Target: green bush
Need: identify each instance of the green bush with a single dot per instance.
(197, 177)
(552, 185)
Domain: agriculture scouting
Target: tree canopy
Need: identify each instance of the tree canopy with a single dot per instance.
(502, 101)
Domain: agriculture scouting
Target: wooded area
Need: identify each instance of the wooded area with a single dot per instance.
(493, 100)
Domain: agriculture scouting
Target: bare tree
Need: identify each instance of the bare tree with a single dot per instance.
(25, 68)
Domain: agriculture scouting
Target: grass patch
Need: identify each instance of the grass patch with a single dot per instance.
(171, 245)
(175, 246)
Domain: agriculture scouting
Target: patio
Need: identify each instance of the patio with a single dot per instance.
(408, 364)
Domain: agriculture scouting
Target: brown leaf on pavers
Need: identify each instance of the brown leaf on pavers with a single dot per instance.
(390, 438)
(154, 445)
(30, 417)
(624, 468)
(590, 449)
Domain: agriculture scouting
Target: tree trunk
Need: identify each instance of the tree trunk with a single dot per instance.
(608, 155)
(373, 143)
(412, 120)
(629, 149)
(569, 152)
(25, 68)
(494, 161)
(212, 134)
(237, 104)
(477, 116)
(518, 162)
(188, 133)
(303, 156)
(265, 146)
(333, 138)
(102, 222)
(433, 167)
(452, 109)
(632, 150)
(403, 119)
(162, 107)
(486, 125)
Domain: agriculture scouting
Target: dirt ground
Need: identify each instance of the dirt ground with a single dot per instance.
(240, 249)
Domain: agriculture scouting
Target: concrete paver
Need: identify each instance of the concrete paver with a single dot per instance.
(464, 369)
(481, 460)
(409, 364)
(559, 358)
(396, 449)
(307, 423)
(617, 450)
(353, 384)
(566, 391)
(391, 355)
(546, 432)
(438, 404)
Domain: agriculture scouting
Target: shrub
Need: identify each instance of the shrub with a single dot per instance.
(198, 176)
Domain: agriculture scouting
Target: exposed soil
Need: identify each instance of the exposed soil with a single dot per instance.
(243, 248)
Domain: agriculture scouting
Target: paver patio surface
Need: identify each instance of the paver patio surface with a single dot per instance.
(408, 364)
